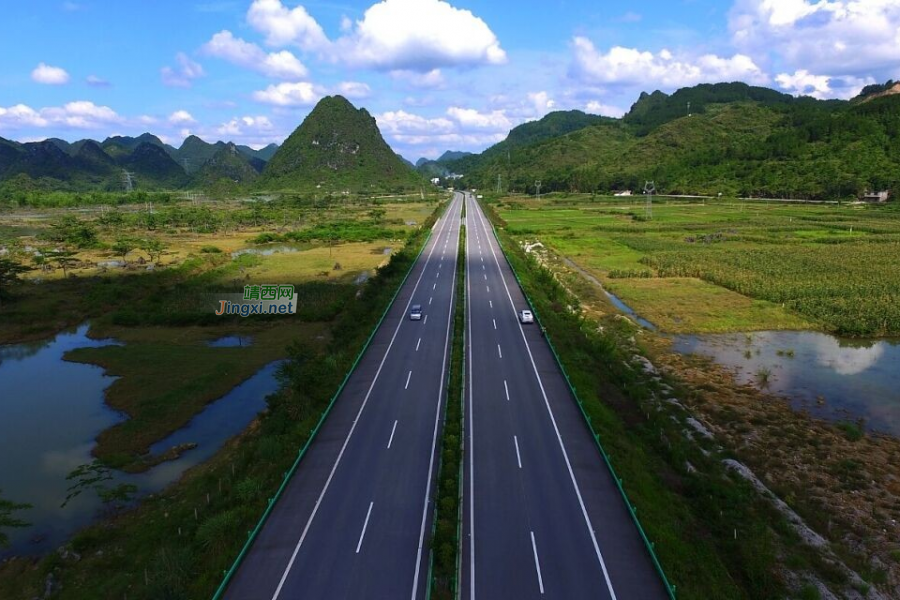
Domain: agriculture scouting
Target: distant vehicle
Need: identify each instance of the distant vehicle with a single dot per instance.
(415, 313)
(525, 316)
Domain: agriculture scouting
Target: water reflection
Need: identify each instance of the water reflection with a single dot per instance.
(832, 378)
(52, 410)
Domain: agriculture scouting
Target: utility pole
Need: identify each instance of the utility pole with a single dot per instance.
(649, 190)
(537, 185)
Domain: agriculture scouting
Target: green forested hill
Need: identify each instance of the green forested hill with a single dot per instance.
(337, 147)
(738, 140)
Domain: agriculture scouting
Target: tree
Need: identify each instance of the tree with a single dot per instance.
(153, 247)
(377, 215)
(7, 520)
(64, 259)
(9, 275)
(122, 247)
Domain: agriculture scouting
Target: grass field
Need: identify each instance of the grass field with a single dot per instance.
(729, 265)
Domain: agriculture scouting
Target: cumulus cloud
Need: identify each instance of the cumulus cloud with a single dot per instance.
(472, 119)
(183, 74)
(279, 65)
(242, 126)
(44, 73)
(598, 108)
(181, 117)
(419, 35)
(353, 89)
(804, 83)
(632, 67)
(841, 37)
(393, 35)
(73, 115)
(283, 26)
(290, 94)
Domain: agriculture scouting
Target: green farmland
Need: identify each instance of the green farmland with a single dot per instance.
(727, 265)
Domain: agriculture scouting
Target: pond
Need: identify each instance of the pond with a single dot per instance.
(832, 378)
(52, 410)
(267, 251)
(231, 341)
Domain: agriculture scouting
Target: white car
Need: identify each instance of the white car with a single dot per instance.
(415, 313)
(525, 316)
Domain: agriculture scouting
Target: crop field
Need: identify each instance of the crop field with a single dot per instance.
(729, 265)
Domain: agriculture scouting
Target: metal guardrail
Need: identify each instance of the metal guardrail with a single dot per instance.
(587, 418)
(251, 537)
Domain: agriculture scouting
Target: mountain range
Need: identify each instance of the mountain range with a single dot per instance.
(90, 165)
(728, 138)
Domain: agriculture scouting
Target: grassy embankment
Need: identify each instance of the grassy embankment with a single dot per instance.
(728, 265)
(445, 539)
(177, 543)
(714, 535)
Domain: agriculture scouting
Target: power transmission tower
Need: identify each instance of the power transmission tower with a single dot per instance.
(537, 186)
(187, 164)
(689, 109)
(128, 181)
(499, 181)
(649, 190)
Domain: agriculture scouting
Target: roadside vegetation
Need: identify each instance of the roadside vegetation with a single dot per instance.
(176, 544)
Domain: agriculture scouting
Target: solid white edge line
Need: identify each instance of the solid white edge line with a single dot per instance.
(337, 462)
(362, 533)
(518, 456)
(471, 418)
(437, 418)
(537, 564)
(393, 430)
(587, 519)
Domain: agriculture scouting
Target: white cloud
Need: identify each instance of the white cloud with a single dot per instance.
(804, 83)
(181, 117)
(629, 66)
(279, 65)
(598, 108)
(147, 120)
(403, 123)
(95, 81)
(419, 35)
(290, 94)
(183, 74)
(470, 118)
(842, 37)
(20, 115)
(240, 126)
(541, 102)
(353, 89)
(74, 115)
(432, 79)
(44, 73)
(283, 26)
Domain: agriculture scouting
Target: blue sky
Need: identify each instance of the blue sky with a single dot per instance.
(436, 75)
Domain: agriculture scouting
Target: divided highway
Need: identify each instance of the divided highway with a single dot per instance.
(542, 515)
(355, 520)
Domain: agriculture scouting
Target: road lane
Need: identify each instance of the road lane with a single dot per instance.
(552, 507)
(352, 522)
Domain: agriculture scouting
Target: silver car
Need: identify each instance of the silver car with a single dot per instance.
(415, 313)
(525, 316)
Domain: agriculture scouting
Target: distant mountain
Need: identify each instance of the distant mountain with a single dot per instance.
(227, 163)
(264, 154)
(118, 145)
(337, 147)
(153, 167)
(194, 153)
(550, 126)
(870, 92)
(736, 140)
(452, 155)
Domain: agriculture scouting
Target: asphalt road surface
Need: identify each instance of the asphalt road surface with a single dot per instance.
(355, 520)
(542, 515)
